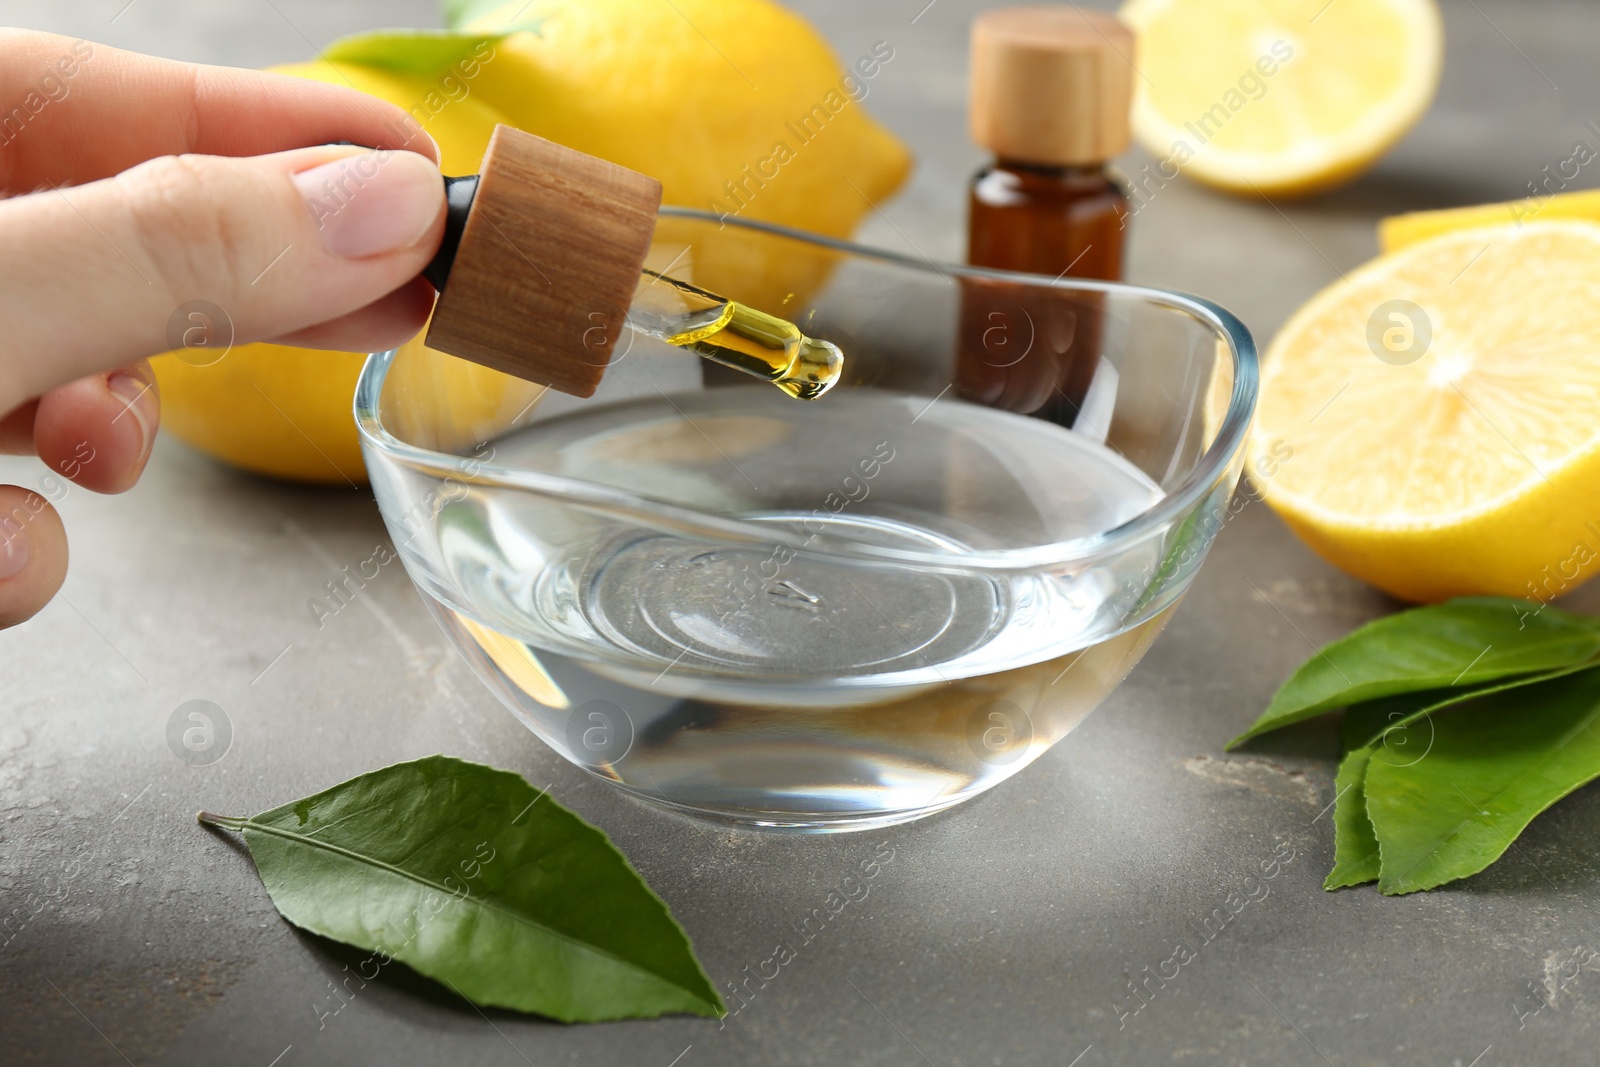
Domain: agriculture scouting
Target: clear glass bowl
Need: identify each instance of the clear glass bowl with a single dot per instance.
(834, 614)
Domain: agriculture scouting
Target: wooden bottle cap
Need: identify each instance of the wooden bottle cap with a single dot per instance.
(547, 263)
(1051, 84)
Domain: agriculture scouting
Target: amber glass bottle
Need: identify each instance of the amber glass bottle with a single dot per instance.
(1047, 219)
(1050, 97)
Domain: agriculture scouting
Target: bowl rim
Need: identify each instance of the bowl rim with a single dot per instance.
(1225, 448)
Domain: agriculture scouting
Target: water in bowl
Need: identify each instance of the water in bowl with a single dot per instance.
(770, 682)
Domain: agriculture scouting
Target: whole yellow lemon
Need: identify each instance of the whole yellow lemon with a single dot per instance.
(737, 106)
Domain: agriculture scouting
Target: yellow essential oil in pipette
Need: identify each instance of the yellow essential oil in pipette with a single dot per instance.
(727, 332)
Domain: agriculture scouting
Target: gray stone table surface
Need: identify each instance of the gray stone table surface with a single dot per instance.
(1005, 931)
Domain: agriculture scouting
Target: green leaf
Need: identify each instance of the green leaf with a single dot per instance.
(473, 877)
(458, 13)
(1492, 767)
(422, 52)
(1392, 719)
(1463, 642)
(1355, 847)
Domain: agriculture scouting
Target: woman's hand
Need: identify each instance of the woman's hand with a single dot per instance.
(135, 186)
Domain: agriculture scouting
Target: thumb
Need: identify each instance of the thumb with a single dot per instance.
(97, 276)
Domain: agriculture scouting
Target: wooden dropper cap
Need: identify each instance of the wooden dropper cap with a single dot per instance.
(540, 259)
(1051, 85)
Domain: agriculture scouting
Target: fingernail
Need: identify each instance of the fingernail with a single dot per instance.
(13, 553)
(373, 202)
(141, 405)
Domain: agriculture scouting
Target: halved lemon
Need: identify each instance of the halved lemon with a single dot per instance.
(1287, 97)
(1431, 423)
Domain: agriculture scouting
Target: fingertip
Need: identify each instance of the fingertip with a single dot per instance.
(98, 431)
(33, 554)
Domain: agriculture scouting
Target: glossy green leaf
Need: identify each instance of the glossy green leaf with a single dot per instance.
(1355, 846)
(1400, 720)
(422, 52)
(475, 878)
(1464, 642)
(1492, 766)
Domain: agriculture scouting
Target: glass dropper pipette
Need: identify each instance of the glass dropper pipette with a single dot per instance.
(727, 332)
(686, 316)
